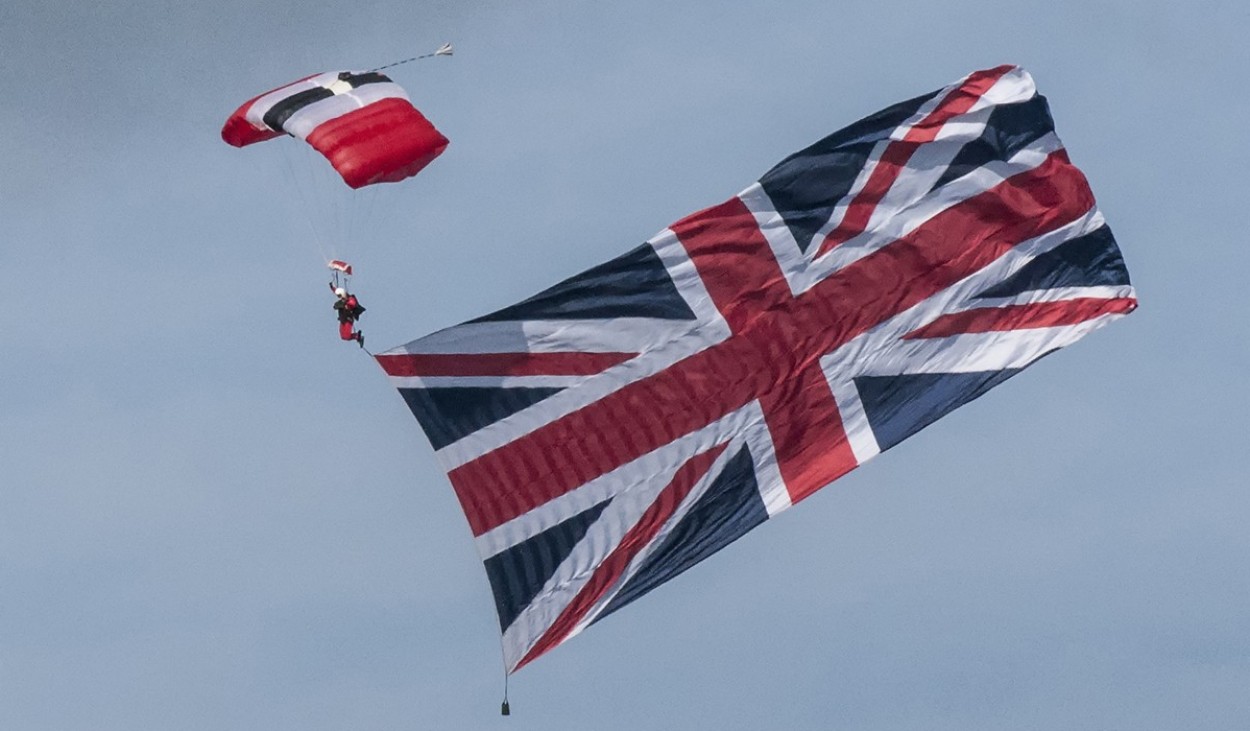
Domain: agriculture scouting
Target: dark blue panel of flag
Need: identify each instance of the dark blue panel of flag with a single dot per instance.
(633, 285)
(729, 509)
(1011, 128)
(447, 414)
(517, 574)
(899, 406)
(1087, 261)
(805, 186)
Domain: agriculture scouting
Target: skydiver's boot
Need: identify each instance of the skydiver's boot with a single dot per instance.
(360, 338)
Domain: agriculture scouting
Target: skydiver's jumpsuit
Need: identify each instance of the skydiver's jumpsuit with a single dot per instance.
(349, 310)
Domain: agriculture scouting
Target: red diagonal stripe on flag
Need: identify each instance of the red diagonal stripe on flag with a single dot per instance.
(1023, 317)
(500, 364)
(637, 538)
(893, 160)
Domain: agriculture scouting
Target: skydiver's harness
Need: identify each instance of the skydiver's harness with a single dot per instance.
(349, 309)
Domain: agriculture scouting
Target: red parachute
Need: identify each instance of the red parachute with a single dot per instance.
(361, 121)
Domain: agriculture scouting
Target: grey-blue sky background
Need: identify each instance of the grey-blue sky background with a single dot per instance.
(214, 515)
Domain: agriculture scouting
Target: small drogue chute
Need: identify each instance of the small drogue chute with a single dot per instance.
(341, 273)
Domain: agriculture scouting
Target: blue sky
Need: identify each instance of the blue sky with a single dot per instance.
(214, 515)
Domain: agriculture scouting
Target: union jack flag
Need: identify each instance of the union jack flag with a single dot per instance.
(614, 430)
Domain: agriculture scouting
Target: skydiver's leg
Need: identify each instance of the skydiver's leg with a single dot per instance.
(345, 331)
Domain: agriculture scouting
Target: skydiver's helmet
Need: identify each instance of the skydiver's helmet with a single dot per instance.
(340, 293)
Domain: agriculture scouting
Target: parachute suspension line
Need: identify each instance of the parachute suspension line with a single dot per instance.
(443, 50)
(306, 202)
(329, 202)
(345, 282)
(359, 220)
(373, 208)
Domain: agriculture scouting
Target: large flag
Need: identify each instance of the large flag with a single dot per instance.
(614, 430)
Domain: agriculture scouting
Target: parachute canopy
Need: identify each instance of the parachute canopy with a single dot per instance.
(361, 121)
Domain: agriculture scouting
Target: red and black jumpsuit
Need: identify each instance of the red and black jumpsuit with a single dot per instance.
(349, 310)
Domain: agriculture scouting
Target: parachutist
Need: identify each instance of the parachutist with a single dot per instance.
(349, 310)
